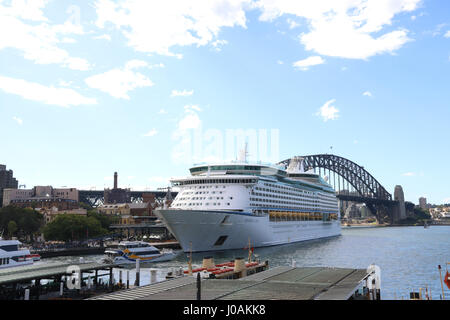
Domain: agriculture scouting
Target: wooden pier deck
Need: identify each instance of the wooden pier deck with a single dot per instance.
(280, 283)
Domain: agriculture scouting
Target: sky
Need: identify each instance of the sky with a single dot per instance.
(149, 88)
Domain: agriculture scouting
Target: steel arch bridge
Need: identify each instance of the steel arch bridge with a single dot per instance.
(354, 183)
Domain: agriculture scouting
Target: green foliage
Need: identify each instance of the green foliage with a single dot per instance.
(12, 227)
(105, 219)
(68, 227)
(85, 206)
(28, 221)
(421, 214)
(418, 217)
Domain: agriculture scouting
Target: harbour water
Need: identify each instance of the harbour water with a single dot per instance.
(408, 257)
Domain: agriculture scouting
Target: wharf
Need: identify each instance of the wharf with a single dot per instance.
(48, 271)
(69, 252)
(96, 250)
(281, 283)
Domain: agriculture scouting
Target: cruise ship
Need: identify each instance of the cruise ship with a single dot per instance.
(222, 206)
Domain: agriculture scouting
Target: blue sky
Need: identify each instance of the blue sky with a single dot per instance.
(147, 88)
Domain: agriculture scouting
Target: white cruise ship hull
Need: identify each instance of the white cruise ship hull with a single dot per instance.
(200, 231)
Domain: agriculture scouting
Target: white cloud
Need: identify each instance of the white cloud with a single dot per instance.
(63, 97)
(162, 111)
(192, 107)
(118, 82)
(156, 27)
(38, 41)
(308, 62)
(103, 37)
(159, 179)
(292, 23)
(151, 133)
(447, 34)
(409, 174)
(184, 93)
(328, 112)
(446, 200)
(18, 120)
(190, 121)
(280, 62)
(367, 93)
(218, 44)
(349, 29)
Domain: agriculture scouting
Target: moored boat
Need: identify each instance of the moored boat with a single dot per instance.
(130, 251)
(11, 255)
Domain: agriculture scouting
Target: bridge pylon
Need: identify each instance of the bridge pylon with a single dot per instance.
(399, 211)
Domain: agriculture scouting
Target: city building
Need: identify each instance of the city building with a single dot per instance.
(117, 195)
(42, 197)
(130, 213)
(357, 211)
(53, 212)
(440, 213)
(117, 209)
(7, 181)
(423, 202)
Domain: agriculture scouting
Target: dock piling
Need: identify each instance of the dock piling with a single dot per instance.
(138, 271)
(27, 294)
(128, 279)
(198, 287)
(152, 276)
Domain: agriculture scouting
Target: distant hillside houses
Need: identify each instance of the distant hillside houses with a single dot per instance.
(440, 213)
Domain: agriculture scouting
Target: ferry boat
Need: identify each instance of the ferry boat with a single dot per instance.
(221, 205)
(129, 251)
(12, 256)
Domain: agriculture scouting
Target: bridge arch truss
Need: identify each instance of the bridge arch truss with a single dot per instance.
(352, 179)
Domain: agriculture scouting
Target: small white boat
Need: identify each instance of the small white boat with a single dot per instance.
(129, 251)
(12, 256)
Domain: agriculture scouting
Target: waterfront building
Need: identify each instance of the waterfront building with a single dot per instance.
(117, 209)
(130, 213)
(440, 213)
(53, 212)
(42, 197)
(357, 211)
(7, 181)
(117, 195)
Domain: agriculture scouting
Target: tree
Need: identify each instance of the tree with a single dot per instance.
(12, 228)
(67, 227)
(105, 219)
(28, 221)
